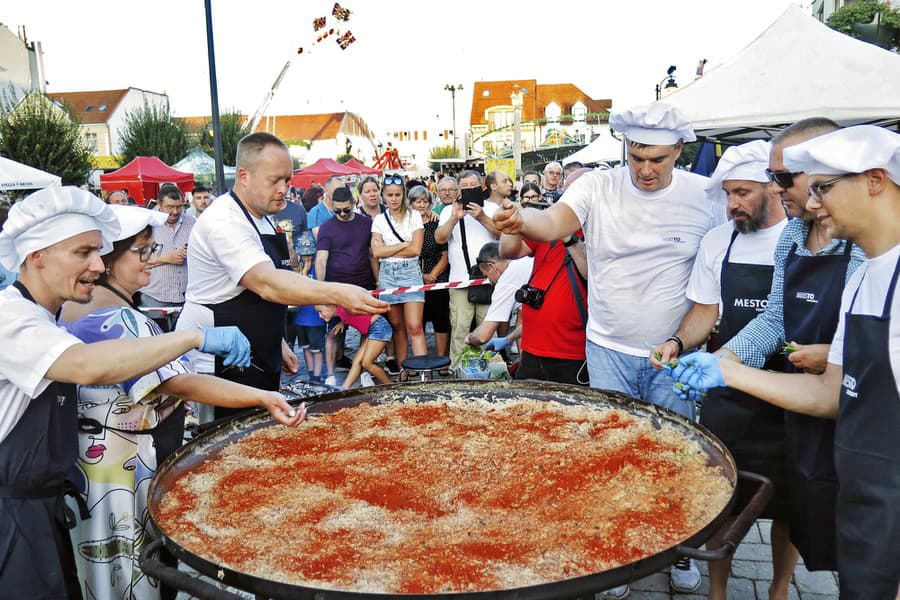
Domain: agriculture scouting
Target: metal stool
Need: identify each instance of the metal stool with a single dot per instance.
(424, 364)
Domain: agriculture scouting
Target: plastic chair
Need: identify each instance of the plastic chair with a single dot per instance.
(426, 365)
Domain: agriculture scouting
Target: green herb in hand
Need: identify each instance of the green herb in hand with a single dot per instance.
(788, 348)
(672, 363)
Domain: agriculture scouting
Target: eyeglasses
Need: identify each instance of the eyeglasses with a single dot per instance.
(145, 252)
(393, 180)
(783, 179)
(532, 197)
(448, 192)
(817, 190)
(343, 211)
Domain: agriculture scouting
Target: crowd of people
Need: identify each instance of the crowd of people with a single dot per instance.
(628, 279)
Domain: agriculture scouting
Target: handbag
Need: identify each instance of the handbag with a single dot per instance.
(478, 294)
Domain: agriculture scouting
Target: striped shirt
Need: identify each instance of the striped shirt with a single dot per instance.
(168, 282)
(764, 335)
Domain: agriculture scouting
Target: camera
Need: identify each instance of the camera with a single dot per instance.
(531, 296)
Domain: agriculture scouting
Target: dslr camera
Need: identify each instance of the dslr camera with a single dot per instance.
(531, 296)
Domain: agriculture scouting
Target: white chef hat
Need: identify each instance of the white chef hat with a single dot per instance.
(133, 220)
(746, 162)
(849, 150)
(657, 124)
(52, 215)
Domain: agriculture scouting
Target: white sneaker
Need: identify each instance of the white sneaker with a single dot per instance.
(616, 593)
(330, 380)
(365, 380)
(684, 576)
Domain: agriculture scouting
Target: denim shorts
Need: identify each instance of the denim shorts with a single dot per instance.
(399, 273)
(380, 330)
(635, 377)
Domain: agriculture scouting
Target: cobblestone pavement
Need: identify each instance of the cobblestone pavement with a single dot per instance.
(751, 574)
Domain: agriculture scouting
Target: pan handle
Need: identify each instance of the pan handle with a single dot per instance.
(179, 579)
(741, 524)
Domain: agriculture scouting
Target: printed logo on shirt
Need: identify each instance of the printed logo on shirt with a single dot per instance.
(675, 239)
(808, 296)
(759, 304)
(60, 400)
(849, 384)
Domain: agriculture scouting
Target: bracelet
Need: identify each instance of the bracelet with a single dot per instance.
(678, 341)
(572, 241)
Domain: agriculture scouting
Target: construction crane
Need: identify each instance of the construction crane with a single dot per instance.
(254, 121)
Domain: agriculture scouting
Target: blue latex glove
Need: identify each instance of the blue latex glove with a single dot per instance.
(699, 371)
(229, 343)
(497, 344)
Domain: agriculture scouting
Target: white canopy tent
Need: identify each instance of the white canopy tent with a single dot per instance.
(16, 176)
(795, 69)
(605, 148)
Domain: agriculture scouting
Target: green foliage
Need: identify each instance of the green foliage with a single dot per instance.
(343, 158)
(151, 131)
(864, 11)
(688, 154)
(37, 133)
(233, 126)
(446, 151)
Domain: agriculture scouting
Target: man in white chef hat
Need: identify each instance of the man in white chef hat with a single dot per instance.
(53, 239)
(642, 225)
(854, 188)
(734, 269)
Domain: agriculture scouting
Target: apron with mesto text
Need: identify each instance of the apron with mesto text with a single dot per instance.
(752, 430)
(258, 319)
(36, 557)
(812, 302)
(867, 458)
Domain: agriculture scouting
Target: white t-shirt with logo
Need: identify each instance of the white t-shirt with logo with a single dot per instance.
(640, 250)
(476, 237)
(756, 248)
(406, 227)
(872, 278)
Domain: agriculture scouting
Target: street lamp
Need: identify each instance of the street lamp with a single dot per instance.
(517, 98)
(669, 80)
(452, 89)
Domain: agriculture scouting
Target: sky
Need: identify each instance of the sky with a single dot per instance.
(405, 51)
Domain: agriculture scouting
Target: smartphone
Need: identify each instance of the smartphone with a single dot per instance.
(472, 195)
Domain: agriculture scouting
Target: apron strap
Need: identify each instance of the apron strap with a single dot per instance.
(64, 514)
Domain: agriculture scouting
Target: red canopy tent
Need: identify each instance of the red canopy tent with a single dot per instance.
(319, 172)
(143, 176)
(361, 168)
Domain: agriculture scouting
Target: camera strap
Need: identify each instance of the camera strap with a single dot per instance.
(465, 247)
(573, 283)
(387, 217)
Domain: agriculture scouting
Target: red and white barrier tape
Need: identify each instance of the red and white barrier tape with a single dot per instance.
(450, 285)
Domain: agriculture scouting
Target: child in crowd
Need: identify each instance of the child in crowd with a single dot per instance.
(375, 331)
(310, 328)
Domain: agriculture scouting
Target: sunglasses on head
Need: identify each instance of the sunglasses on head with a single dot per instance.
(783, 179)
(343, 211)
(393, 180)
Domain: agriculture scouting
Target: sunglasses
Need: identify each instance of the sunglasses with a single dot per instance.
(343, 211)
(817, 190)
(145, 252)
(783, 179)
(393, 180)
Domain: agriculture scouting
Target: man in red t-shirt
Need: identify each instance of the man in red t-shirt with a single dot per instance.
(553, 338)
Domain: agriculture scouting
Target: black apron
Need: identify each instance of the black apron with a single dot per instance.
(812, 301)
(36, 557)
(752, 430)
(867, 459)
(260, 320)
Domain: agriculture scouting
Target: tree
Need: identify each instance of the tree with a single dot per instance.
(151, 131)
(233, 126)
(856, 20)
(40, 134)
(446, 151)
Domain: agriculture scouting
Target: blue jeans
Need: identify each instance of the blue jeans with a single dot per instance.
(635, 377)
(380, 330)
(400, 273)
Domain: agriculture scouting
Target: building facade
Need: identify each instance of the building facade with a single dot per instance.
(21, 65)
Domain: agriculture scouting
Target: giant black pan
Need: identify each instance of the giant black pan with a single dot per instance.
(198, 450)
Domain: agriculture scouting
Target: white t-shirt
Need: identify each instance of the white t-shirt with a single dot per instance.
(476, 237)
(34, 342)
(223, 246)
(872, 278)
(756, 248)
(503, 300)
(640, 250)
(410, 222)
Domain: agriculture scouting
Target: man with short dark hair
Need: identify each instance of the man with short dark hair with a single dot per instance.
(506, 276)
(169, 276)
(531, 176)
(323, 210)
(200, 200)
(240, 267)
